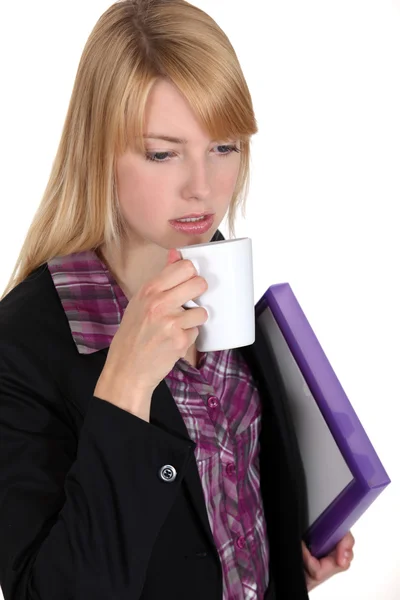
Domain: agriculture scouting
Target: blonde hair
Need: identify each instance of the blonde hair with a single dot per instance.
(133, 44)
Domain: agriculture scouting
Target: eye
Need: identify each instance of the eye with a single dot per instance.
(228, 149)
(158, 156)
(161, 157)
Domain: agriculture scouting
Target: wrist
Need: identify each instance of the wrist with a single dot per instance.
(135, 400)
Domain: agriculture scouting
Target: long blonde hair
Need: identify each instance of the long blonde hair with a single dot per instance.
(134, 43)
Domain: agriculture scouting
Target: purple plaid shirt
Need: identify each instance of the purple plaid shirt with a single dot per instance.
(220, 406)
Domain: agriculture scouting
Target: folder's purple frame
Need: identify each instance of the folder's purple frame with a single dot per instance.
(369, 475)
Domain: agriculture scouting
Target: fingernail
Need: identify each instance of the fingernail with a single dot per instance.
(345, 560)
(347, 554)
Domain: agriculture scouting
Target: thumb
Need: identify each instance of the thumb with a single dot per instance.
(173, 256)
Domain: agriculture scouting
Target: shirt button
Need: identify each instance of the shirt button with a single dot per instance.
(213, 402)
(230, 469)
(241, 542)
(167, 473)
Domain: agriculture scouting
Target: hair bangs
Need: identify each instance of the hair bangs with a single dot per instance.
(131, 118)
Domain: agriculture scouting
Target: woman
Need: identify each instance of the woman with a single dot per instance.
(132, 466)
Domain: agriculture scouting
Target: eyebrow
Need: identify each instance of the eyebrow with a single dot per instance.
(166, 138)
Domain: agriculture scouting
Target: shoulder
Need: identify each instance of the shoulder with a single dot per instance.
(32, 314)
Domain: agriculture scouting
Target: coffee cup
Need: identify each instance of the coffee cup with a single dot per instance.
(227, 266)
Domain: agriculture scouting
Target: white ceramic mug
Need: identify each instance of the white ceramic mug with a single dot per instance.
(227, 266)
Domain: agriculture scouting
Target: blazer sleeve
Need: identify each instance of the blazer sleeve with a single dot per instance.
(78, 514)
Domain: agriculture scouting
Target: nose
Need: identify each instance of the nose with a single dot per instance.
(197, 180)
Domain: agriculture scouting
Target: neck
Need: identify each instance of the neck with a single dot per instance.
(134, 264)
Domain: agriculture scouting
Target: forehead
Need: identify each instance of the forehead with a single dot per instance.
(168, 113)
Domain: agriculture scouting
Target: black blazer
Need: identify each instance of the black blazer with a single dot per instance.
(84, 513)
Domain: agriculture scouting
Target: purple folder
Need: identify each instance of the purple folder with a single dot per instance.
(343, 472)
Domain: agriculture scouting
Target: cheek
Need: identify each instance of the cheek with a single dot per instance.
(226, 180)
(138, 192)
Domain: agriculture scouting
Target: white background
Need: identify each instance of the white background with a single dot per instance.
(324, 76)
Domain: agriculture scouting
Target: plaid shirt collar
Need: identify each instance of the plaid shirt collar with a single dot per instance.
(91, 298)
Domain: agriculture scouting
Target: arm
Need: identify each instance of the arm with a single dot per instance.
(78, 516)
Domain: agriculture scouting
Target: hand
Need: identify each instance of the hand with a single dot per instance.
(154, 333)
(339, 560)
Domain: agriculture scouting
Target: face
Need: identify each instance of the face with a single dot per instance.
(174, 178)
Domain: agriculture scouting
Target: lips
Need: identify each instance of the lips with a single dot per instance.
(193, 216)
(194, 227)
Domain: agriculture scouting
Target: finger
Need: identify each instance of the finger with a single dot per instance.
(347, 540)
(311, 563)
(345, 544)
(344, 558)
(345, 561)
(193, 317)
(173, 256)
(344, 550)
(327, 569)
(171, 276)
